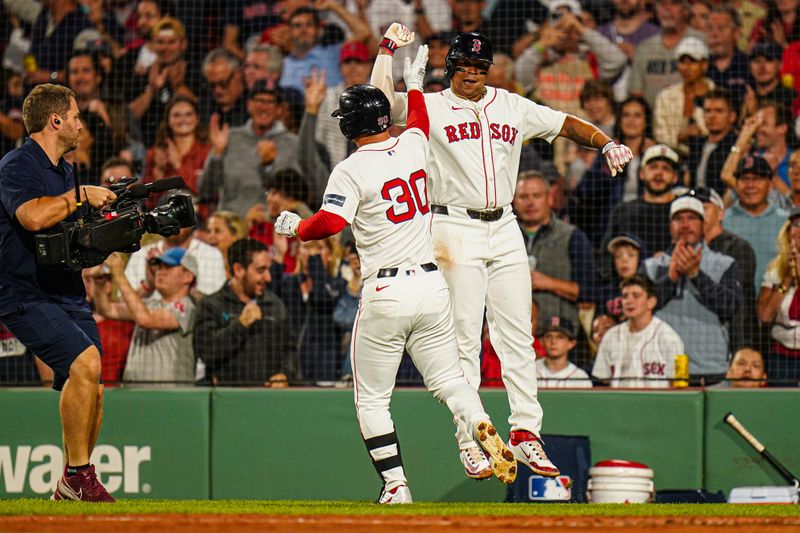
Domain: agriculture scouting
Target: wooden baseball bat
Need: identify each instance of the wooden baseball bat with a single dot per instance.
(761, 449)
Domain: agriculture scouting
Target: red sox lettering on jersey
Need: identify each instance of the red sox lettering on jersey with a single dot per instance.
(476, 146)
(472, 130)
(653, 368)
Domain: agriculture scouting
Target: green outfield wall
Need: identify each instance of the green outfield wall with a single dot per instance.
(772, 416)
(154, 443)
(305, 443)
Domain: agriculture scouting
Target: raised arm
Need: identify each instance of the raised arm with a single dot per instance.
(414, 74)
(739, 149)
(397, 36)
(358, 25)
(139, 312)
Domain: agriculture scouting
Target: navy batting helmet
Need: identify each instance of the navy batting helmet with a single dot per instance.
(363, 110)
(470, 45)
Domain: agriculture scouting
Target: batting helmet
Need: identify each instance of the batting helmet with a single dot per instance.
(363, 110)
(470, 45)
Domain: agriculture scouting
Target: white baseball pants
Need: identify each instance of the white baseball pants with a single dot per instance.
(486, 265)
(412, 312)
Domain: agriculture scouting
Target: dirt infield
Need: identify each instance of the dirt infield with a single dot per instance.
(183, 523)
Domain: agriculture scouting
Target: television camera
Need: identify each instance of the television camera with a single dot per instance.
(118, 227)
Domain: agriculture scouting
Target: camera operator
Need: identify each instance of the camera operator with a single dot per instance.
(45, 307)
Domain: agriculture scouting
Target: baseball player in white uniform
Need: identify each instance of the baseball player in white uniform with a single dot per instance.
(405, 303)
(476, 136)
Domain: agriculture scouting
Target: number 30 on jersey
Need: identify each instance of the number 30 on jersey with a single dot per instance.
(407, 197)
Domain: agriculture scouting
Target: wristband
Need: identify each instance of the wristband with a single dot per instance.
(388, 44)
(782, 290)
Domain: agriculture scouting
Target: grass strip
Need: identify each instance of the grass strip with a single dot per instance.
(28, 507)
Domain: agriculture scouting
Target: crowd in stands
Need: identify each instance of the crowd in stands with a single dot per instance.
(693, 249)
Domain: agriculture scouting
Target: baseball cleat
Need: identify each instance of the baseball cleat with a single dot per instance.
(502, 461)
(476, 464)
(396, 495)
(528, 450)
(83, 486)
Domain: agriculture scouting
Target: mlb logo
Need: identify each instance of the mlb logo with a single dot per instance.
(550, 489)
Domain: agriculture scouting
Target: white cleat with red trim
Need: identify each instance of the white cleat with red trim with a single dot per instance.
(528, 450)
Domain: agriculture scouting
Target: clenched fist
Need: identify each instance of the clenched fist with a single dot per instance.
(250, 314)
(397, 36)
(286, 223)
(617, 156)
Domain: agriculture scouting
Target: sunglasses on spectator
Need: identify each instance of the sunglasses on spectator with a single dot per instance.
(221, 84)
(795, 222)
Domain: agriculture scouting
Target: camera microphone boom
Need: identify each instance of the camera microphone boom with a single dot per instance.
(117, 228)
(143, 190)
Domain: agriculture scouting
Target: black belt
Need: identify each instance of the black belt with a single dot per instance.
(486, 215)
(392, 272)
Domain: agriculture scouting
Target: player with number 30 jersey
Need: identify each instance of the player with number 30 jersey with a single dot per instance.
(405, 303)
(369, 191)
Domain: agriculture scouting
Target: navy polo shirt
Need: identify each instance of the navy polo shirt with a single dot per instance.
(26, 173)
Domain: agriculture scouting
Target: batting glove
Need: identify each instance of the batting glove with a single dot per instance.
(397, 36)
(414, 73)
(287, 223)
(617, 156)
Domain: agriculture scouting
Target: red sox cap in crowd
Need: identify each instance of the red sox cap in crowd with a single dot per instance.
(557, 324)
(753, 164)
(355, 50)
